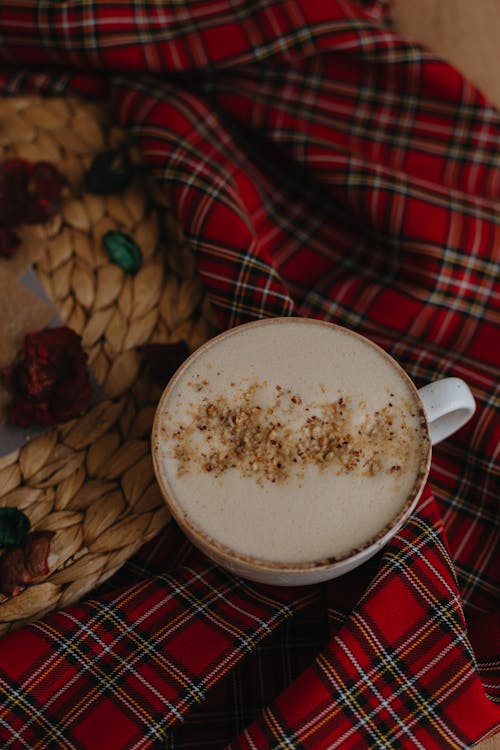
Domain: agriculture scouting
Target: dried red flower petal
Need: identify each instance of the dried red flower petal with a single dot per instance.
(29, 193)
(47, 182)
(36, 552)
(20, 564)
(71, 393)
(49, 381)
(9, 242)
(14, 180)
(21, 412)
(12, 572)
(162, 360)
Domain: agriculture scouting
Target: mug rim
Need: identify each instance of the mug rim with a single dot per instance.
(233, 558)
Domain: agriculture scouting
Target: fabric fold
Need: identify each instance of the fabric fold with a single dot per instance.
(376, 684)
(123, 670)
(320, 166)
(178, 37)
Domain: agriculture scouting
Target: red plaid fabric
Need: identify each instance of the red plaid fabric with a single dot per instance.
(319, 166)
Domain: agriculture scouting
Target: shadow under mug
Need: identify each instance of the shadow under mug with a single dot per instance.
(447, 405)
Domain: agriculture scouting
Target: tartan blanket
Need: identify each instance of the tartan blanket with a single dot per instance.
(320, 166)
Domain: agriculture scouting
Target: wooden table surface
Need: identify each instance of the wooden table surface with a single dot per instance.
(467, 34)
(464, 32)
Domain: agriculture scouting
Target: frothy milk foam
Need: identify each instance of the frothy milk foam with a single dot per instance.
(291, 441)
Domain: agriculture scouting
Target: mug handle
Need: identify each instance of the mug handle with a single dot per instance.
(448, 405)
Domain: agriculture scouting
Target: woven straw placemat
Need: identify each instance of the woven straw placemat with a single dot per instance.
(91, 480)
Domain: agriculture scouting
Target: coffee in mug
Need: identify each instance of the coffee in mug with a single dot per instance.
(290, 450)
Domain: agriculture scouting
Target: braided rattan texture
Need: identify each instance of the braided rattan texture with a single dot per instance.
(91, 480)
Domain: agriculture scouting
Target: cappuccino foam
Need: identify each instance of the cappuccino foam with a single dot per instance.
(290, 441)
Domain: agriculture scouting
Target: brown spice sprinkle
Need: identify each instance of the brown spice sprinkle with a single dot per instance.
(272, 438)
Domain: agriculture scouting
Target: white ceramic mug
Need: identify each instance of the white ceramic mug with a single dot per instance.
(445, 405)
